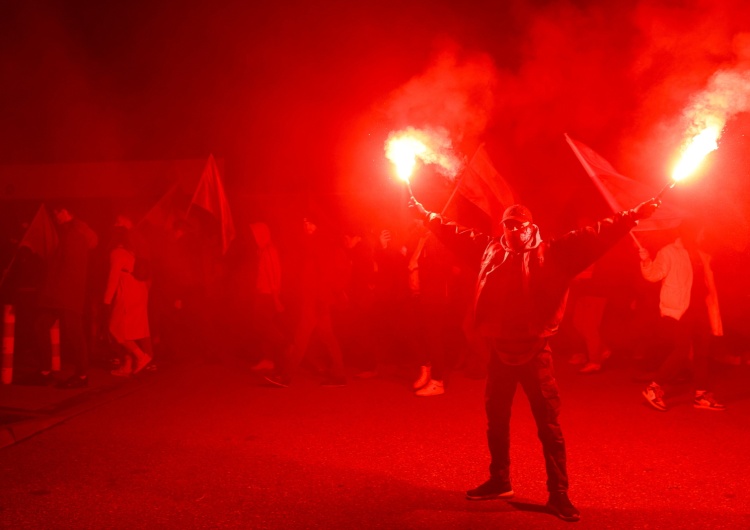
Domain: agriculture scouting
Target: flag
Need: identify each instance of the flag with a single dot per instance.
(621, 192)
(170, 208)
(482, 185)
(210, 196)
(41, 236)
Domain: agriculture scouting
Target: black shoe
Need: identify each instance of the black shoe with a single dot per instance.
(277, 380)
(74, 382)
(492, 489)
(334, 381)
(560, 505)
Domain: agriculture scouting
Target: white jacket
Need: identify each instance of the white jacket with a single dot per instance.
(672, 267)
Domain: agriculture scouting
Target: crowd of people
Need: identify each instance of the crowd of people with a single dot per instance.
(432, 298)
(353, 298)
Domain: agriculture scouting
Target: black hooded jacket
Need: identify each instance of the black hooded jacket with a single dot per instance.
(520, 297)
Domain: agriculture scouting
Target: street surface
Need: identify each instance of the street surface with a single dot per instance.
(207, 446)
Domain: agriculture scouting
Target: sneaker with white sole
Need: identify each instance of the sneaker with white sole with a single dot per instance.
(590, 368)
(432, 388)
(125, 369)
(655, 397)
(706, 401)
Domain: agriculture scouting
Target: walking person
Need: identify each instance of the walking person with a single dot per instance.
(519, 302)
(268, 334)
(319, 286)
(689, 316)
(63, 296)
(126, 305)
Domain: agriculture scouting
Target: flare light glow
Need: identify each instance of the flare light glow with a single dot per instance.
(696, 149)
(403, 151)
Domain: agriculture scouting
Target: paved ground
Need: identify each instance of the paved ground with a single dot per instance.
(206, 446)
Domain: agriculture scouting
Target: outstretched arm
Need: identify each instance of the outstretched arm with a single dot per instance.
(465, 242)
(581, 248)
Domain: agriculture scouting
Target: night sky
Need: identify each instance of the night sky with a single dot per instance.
(302, 95)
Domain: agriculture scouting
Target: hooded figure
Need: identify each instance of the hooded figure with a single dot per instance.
(519, 302)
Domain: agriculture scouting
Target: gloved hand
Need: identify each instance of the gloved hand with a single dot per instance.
(646, 209)
(417, 207)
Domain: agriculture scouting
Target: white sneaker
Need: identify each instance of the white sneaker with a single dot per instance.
(424, 377)
(590, 368)
(432, 388)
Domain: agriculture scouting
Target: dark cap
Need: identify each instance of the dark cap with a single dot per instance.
(517, 212)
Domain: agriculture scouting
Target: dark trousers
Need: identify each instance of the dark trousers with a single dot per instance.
(315, 316)
(538, 382)
(269, 336)
(681, 337)
(72, 338)
(427, 323)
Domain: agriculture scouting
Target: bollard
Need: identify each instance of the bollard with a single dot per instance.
(54, 340)
(9, 330)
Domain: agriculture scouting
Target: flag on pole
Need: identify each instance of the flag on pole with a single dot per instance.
(41, 236)
(171, 207)
(482, 185)
(622, 192)
(210, 196)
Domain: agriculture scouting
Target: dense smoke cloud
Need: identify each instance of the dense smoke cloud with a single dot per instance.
(455, 94)
(631, 79)
(727, 93)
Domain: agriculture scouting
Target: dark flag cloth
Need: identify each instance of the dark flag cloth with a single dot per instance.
(201, 206)
(38, 243)
(41, 236)
(622, 192)
(210, 196)
(482, 185)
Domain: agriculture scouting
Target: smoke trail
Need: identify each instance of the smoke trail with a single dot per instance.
(727, 94)
(447, 105)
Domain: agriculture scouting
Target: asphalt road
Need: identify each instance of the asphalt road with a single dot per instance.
(206, 446)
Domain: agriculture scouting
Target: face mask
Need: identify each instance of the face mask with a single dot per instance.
(517, 234)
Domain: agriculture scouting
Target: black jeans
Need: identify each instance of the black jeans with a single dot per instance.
(691, 333)
(538, 382)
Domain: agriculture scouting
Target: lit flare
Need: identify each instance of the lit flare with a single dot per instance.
(696, 149)
(403, 151)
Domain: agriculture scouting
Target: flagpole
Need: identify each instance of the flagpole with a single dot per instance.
(460, 180)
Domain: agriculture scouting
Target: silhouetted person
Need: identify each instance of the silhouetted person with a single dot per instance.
(268, 333)
(519, 303)
(357, 318)
(319, 285)
(429, 276)
(126, 303)
(391, 296)
(63, 296)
